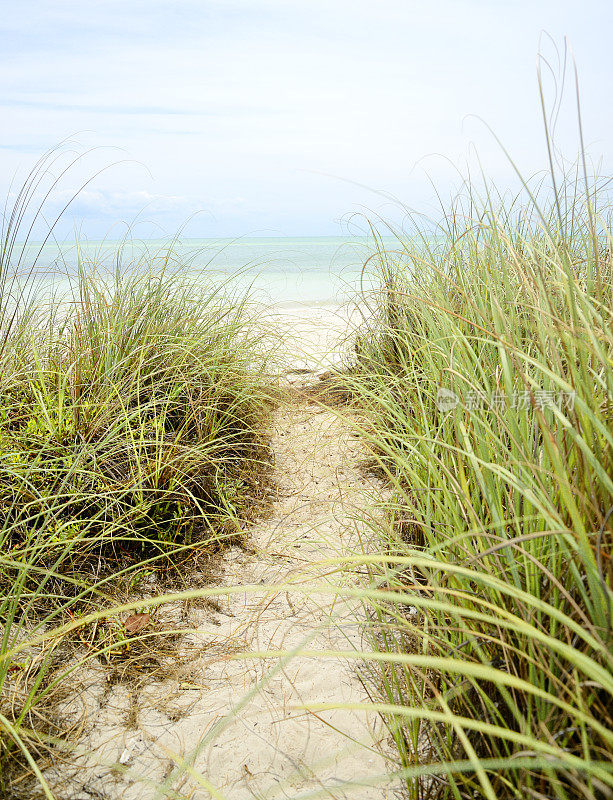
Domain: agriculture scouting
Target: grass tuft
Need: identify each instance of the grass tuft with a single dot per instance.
(486, 382)
(133, 442)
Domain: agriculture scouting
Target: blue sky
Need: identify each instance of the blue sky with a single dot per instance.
(274, 117)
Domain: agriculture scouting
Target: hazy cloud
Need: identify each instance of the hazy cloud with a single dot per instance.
(261, 99)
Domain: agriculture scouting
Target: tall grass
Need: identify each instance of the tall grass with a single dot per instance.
(132, 434)
(486, 381)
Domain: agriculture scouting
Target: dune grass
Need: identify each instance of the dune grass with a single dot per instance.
(485, 381)
(132, 442)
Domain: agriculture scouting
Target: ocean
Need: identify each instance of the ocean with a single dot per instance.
(281, 271)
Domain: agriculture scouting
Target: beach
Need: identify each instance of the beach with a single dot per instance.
(316, 337)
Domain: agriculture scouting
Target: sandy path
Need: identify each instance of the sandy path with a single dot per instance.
(269, 748)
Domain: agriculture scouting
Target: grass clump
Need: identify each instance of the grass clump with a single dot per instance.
(135, 428)
(486, 378)
(133, 438)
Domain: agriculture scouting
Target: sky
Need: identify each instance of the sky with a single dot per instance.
(285, 118)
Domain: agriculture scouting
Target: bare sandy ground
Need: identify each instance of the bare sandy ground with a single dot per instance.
(238, 726)
(316, 337)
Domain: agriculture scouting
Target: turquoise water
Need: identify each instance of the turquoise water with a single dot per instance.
(282, 271)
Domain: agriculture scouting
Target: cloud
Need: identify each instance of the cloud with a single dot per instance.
(234, 105)
(118, 204)
(126, 205)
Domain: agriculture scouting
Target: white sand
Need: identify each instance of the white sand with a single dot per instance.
(316, 336)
